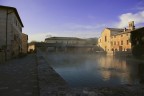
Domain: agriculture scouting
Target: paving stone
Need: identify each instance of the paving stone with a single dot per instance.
(3, 88)
(28, 93)
(18, 76)
(17, 90)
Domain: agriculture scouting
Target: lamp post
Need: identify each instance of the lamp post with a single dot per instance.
(7, 13)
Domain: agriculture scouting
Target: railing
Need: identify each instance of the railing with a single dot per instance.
(2, 57)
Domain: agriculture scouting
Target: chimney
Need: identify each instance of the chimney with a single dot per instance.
(131, 25)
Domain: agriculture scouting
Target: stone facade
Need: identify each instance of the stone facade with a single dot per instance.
(121, 42)
(65, 40)
(114, 40)
(11, 31)
(24, 43)
(104, 40)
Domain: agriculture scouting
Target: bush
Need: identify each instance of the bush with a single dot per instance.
(137, 50)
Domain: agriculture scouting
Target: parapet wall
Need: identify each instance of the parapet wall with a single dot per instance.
(50, 82)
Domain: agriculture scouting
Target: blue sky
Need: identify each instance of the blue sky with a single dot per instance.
(75, 18)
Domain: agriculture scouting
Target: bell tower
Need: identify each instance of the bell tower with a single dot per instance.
(131, 25)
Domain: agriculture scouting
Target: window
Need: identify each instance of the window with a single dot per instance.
(105, 48)
(114, 42)
(121, 42)
(105, 38)
(118, 42)
(111, 43)
(127, 42)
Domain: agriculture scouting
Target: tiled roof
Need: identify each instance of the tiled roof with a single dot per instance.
(62, 38)
(115, 31)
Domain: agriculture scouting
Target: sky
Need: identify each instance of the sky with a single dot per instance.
(75, 18)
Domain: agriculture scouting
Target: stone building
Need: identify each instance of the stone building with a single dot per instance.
(32, 47)
(68, 44)
(114, 40)
(24, 43)
(137, 42)
(11, 31)
(65, 40)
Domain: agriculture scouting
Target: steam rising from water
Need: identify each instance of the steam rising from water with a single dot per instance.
(95, 70)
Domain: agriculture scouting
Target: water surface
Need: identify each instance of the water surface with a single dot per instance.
(91, 70)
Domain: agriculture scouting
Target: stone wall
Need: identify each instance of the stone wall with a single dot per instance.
(11, 32)
(104, 40)
(24, 43)
(121, 42)
(50, 82)
(2, 57)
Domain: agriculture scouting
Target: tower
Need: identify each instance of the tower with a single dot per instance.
(131, 25)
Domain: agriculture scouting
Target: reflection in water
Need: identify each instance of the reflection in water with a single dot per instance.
(90, 70)
(125, 71)
(141, 73)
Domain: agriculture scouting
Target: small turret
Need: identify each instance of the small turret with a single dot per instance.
(131, 25)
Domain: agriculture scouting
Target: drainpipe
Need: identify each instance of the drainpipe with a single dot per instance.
(6, 35)
(7, 13)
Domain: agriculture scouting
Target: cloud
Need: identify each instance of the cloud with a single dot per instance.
(80, 27)
(139, 6)
(141, 2)
(81, 30)
(138, 18)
